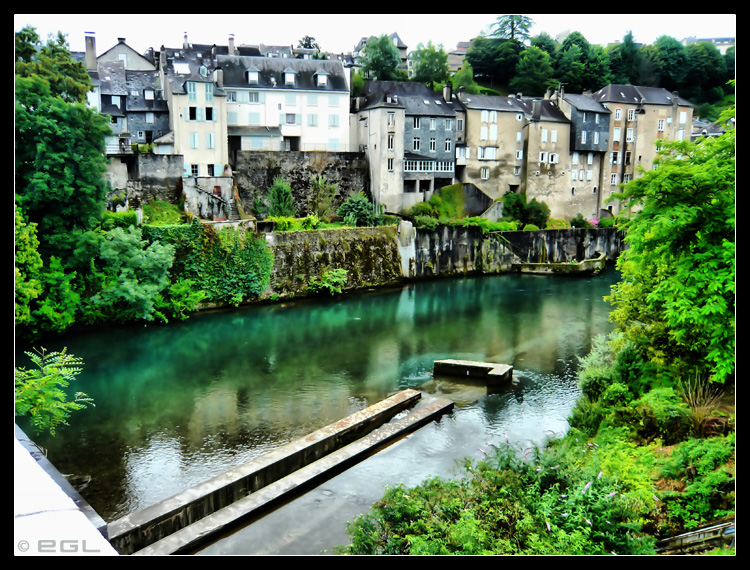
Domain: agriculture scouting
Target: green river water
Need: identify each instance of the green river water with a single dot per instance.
(178, 404)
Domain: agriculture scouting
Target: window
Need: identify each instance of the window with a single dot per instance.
(433, 123)
(483, 133)
(391, 119)
(683, 117)
(333, 100)
(209, 113)
(433, 145)
(544, 135)
(416, 122)
(553, 136)
(194, 170)
(493, 116)
(312, 120)
(613, 180)
(448, 145)
(209, 92)
(660, 126)
(253, 119)
(390, 165)
(554, 158)
(519, 137)
(590, 158)
(149, 118)
(573, 175)
(333, 120)
(253, 97)
(629, 135)
(290, 119)
(631, 114)
(596, 137)
(616, 134)
(290, 98)
(493, 132)
(575, 158)
(448, 124)
(312, 99)
(628, 154)
(618, 114)
(193, 140)
(459, 124)
(485, 173)
(583, 137)
(542, 157)
(390, 141)
(614, 157)
(322, 79)
(289, 78)
(519, 155)
(517, 170)
(231, 96)
(192, 113)
(148, 94)
(519, 117)
(416, 144)
(485, 116)
(210, 140)
(191, 90)
(590, 176)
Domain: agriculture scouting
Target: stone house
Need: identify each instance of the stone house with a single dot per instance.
(408, 134)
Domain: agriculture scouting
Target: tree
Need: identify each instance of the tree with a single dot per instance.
(670, 60)
(512, 27)
(676, 295)
(534, 72)
(430, 64)
(308, 42)
(280, 200)
(464, 79)
(321, 198)
(381, 59)
(706, 69)
(60, 161)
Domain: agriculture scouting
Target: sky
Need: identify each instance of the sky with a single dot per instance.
(340, 33)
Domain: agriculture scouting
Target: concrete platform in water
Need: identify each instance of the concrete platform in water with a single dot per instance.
(491, 372)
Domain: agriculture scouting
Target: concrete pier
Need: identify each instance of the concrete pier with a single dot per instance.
(492, 373)
(191, 517)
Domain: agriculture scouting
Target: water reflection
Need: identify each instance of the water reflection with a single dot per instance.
(178, 404)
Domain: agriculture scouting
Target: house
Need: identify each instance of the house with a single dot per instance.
(589, 143)
(408, 133)
(640, 118)
(491, 154)
(284, 103)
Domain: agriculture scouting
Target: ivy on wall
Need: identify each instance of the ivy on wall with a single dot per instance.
(229, 265)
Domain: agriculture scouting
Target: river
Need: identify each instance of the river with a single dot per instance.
(178, 404)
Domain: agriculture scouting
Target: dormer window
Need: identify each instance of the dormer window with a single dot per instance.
(322, 79)
(289, 77)
(252, 76)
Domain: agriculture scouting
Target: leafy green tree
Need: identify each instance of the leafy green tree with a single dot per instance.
(545, 43)
(28, 266)
(60, 162)
(308, 42)
(676, 295)
(381, 59)
(130, 274)
(534, 72)
(625, 60)
(670, 59)
(706, 69)
(40, 392)
(430, 64)
(464, 78)
(321, 198)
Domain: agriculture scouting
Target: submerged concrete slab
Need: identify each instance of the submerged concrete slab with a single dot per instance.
(262, 500)
(492, 372)
(138, 530)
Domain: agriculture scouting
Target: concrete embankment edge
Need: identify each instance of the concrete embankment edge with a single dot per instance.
(259, 502)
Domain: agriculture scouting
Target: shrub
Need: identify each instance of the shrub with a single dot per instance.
(580, 222)
(530, 228)
(332, 281)
(159, 212)
(357, 210)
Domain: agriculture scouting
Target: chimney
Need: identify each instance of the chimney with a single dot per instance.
(185, 44)
(219, 75)
(536, 109)
(90, 51)
(231, 44)
(447, 91)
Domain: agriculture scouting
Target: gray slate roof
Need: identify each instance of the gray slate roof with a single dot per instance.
(271, 73)
(415, 98)
(548, 110)
(635, 94)
(585, 103)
